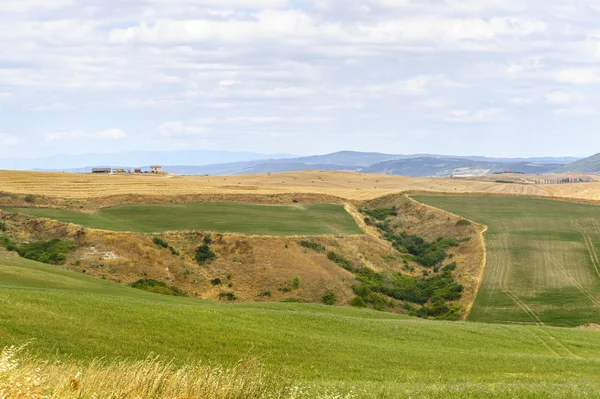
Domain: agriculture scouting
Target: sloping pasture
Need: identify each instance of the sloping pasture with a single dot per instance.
(543, 264)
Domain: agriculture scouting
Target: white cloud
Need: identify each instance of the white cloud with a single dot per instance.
(110, 134)
(178, 129)
(248, 68)
(576, 111)
(522, 101)
(560, 97)
(578, 76)
(475, 116)
(8, 140)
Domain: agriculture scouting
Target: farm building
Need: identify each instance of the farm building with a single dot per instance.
(156, 169)
(101, 170)
(137, 170)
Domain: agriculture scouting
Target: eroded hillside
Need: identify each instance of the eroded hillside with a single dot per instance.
(263, 268)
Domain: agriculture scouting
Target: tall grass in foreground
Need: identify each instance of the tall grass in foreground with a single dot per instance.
(25, 377)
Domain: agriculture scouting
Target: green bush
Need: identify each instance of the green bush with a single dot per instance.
(216, 281)
(381, 214)
(207, 239)
(296, 282)
(358, 302)
(329, 298)
(53, 252)
(3, 227)
(266, 293)
(160, 242)
(157, 287)
(340, 260)
(30, 198)
(230, 296)
(204, 255)
(7, 243)
(312, 245)
(463, 222)
(377, 289)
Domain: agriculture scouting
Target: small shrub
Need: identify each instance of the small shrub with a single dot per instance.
(53, 252)
(463, 222)
(207, 239)
(30, 198)
(381, 214)
(265, 293)
(230, 296)
(216, 281)
(312, 245)
(157, 287)
(204, 255)
(160, 242)
(358, 302)
(3, 227)
(329, 298)
(286, 290)
(7, 243)
(340, 260)
(296, 282)
(174, 251)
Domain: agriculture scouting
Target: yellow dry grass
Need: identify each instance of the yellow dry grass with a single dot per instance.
(24, 377)
(351, 186)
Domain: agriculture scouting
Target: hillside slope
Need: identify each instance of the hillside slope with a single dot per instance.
(587, 165)
(542, 262)
(261, 268)
(79, 318)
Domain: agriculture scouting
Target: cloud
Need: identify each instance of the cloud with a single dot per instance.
(475, 116)
(522, 101)
(8, 140)
(578, 76)
(233, 68)
(178, 129)
(560, 97)
(576, 111)
(110, 134)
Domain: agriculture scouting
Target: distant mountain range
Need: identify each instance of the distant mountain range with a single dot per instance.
(233, 163)
(84, 162)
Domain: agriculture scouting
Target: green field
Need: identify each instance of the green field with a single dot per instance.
(373, 354)
(278, 220)
(543, 259)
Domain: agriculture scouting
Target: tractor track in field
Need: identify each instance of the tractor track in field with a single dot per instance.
(590, 245)
(568, 275)
(504, 269)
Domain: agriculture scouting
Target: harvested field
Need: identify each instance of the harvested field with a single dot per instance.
(248, 219)
(350, 186)
(543, 266)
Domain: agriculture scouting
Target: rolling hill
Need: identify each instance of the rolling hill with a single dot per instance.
(344, 352)
(587, 165)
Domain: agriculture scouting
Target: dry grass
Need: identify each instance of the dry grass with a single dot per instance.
(351, 186)
(25, 377)
(250, 266)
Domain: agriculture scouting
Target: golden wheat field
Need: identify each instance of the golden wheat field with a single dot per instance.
(351, 186)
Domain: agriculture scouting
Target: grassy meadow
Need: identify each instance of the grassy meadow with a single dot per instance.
(542, 259)
(346, 351)
(276, 220)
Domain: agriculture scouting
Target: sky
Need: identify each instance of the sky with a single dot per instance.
(480, 77)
